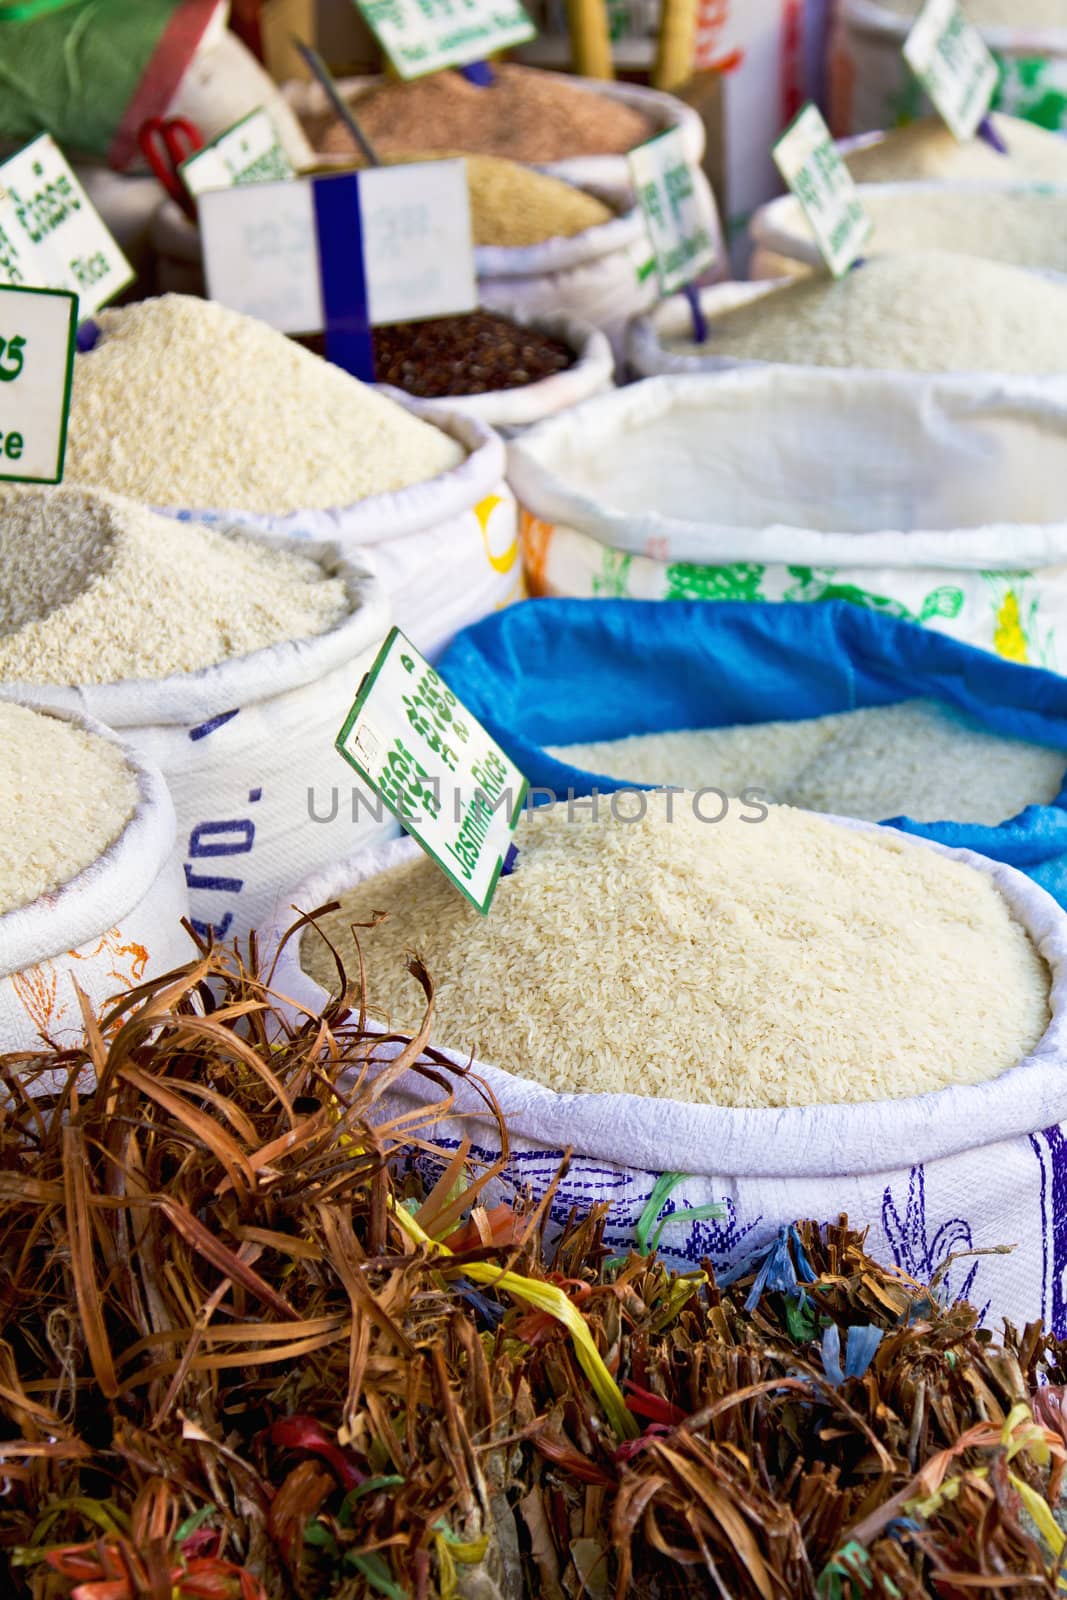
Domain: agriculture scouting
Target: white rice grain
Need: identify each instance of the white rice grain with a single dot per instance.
(65, 796)
(788, 963)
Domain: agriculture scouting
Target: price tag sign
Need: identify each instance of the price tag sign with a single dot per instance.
(249, 152)
(676, 209)
(954, 65)
(809, 163)
(421, 36)
(290, 253)
(38, 331)
(53, 237)
(449, 784)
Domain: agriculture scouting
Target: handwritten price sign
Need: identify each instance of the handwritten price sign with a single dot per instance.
(38, 328)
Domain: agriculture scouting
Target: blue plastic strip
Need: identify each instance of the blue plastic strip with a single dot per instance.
(478, 72)
(339, 224)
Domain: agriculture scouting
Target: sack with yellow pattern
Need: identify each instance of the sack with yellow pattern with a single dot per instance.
(935, 499)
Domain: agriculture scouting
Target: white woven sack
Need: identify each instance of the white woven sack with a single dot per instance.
(446, 551)
(780, 230)
(247, 749)
(664, 111)
(938, 499)
(965, 1168)
(872, 87)
(509, 410)
(115, 925)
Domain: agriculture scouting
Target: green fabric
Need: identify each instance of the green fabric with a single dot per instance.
(72, 72)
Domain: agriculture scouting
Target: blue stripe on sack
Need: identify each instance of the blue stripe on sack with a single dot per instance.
(339, 224)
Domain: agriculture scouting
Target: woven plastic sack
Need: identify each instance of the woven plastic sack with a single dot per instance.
(965, 1168)
(664, 111)
(872, 87)
(247, 750)
(936, 499)
(446, 551)
(113, 926)
(647, 667)
(510, 410)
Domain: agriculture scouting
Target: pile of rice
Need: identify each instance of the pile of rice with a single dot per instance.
(97, 590)
(916, 759)
(927, 151)
(920, 311)
(790, 962)
(184, 403)
(65, 796)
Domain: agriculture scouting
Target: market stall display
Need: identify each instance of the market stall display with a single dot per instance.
(298, 449)
(91, 897)
(225, 660)
(939, 500)
(919, 311)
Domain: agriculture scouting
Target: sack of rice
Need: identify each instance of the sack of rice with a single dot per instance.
(920, 311)
(871, 85)
(579, 129)
(940, 499)
(793, 1016)
(227, 660)
(299, 449)
(832, 707)
(927, 152)
(508, 372)
(91, 895)
(1022, 225)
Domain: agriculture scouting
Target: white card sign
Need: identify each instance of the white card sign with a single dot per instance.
(954, 65)
(676, 209)
(421, 36)
(263, 246)
(436, 768)
(807, 160)
(59, 238)
(38, 330)
(249, 152)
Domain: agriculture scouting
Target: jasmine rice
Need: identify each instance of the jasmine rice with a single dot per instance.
(790, 962)
(65, 796)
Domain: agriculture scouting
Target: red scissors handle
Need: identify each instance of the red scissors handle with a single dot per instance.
(165, 143)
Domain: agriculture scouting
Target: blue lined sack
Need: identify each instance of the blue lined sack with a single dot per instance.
(556, 672)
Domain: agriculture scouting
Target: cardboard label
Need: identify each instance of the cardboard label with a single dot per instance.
(52, 236)
(807, 160)
(38, 331)
(681, 227)
(442, 776)
(249, 152)
(421, 36)
(265, 249)
(952, 62)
